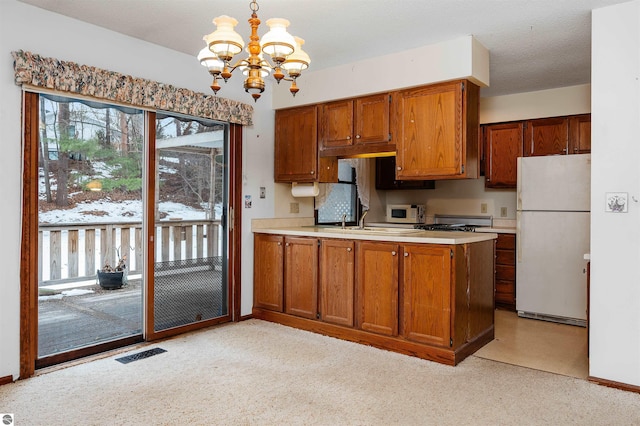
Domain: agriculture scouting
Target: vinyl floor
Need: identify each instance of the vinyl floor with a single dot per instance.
(540, 345)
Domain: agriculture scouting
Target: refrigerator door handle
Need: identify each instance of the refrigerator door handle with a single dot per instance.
(518, 236)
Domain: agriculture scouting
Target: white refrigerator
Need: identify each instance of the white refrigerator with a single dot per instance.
(552, 237)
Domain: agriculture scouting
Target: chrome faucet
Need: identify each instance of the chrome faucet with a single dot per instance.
(344, 220)
(361, 222)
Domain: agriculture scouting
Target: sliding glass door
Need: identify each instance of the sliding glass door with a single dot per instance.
(128, 247)
(190, 282)
(90, 204)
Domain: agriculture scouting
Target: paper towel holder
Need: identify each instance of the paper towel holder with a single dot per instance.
(304, 189)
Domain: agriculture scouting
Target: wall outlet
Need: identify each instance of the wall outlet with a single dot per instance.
(294, 208)
(503, 212)
(483, 208)
(263, 192)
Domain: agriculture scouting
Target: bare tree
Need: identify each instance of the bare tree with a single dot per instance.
(44, 151)
(63, 156)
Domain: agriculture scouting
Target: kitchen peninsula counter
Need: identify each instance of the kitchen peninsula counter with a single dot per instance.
(404, 236)
(422, 293)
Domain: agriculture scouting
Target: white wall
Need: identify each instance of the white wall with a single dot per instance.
(544, 103)
(51, 35)
(615, 237)
(463, 57)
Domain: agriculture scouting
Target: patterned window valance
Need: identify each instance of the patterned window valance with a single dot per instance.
(64, 76)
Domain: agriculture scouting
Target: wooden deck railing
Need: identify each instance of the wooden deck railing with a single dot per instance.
(75, 252)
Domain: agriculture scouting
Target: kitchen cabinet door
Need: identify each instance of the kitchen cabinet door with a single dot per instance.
(427, 294)
(438, 132)
(296, 148)
(301, 276)
(337, 281)
(502, 147)
(268, 278)
(386, 177)
(337, 124)
(377, 284)
(546, 136)
(356, 126)
(372, 119)
(580, 134)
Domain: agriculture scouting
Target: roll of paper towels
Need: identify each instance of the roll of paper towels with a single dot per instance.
(305, 189)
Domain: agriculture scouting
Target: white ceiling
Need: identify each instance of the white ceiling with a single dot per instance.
(534, 44)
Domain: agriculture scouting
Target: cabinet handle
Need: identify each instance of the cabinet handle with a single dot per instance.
(399, 168)
(357, 136)
(348, 138)
(313, 172)
(393, 253)
(287, 244)
(348, 248)
(406, 254)
(279, 243)
(564, 149)
(575, 149)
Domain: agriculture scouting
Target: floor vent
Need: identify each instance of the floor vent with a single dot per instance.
(140, 355)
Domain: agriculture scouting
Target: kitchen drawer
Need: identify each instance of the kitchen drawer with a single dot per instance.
(505, 294)
(505, 273)
(505, 257)
(506, 241)
(505, 276)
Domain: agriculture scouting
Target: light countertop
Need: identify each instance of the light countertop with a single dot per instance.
(407, 236)
(498, 229)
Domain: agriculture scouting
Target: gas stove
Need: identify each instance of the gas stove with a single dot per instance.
(456, 223)
(460, 227)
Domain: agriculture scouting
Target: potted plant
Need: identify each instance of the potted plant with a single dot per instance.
(111, 278)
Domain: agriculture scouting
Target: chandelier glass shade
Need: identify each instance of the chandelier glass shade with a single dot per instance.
(283, 49)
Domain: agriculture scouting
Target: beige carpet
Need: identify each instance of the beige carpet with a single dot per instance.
(258, 373)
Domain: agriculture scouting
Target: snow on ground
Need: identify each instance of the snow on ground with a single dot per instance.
(67, 293)
(118, 212)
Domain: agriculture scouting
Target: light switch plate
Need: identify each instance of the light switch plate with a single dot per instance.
(616, 202)
(263, 192)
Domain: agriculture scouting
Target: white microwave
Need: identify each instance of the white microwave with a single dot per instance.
(405, 213)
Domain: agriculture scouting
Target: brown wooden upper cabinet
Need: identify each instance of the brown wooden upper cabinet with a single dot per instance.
(502, 147)
(546, 136)
(558, 135)
(503, 143)
(437, 128)
(386, 177)
(356, 126)
(580, 134)
(296, 148)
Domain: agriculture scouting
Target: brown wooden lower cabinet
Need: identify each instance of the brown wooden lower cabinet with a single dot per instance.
(505, 275)
(268, 272)
(301, 276)
(377, 296)
(427, 294)
(432, 301)
(337, 281)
